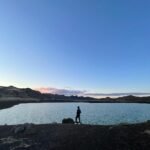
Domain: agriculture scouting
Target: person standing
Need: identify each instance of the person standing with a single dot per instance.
(78, 115)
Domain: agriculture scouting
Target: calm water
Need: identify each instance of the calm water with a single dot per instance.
(92, 113)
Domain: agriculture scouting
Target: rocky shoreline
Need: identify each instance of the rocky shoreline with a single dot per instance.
(75, 137)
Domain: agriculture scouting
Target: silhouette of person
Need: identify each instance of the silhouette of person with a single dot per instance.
(78, 115)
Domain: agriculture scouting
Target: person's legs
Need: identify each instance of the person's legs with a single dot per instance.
(76, 118)
(79, 119)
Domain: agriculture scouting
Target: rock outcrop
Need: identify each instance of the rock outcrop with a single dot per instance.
(67, 121)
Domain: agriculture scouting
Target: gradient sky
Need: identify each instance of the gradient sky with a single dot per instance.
(94, 45)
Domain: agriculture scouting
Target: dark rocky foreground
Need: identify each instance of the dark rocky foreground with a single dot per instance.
(75, 137)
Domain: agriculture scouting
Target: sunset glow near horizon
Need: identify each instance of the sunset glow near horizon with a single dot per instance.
(77, 47)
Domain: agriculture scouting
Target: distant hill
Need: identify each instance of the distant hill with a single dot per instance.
(12, 93)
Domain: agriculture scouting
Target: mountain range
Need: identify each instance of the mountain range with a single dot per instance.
(11, 94)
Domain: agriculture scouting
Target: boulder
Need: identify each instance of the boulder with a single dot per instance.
(24, 128)
(67, 121)
(19, 129)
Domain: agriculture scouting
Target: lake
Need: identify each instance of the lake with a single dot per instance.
(92, 113)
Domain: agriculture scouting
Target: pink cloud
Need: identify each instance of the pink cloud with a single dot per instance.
(60, 91)
(69, 92)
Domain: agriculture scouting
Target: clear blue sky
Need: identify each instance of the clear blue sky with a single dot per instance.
(95, 45)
